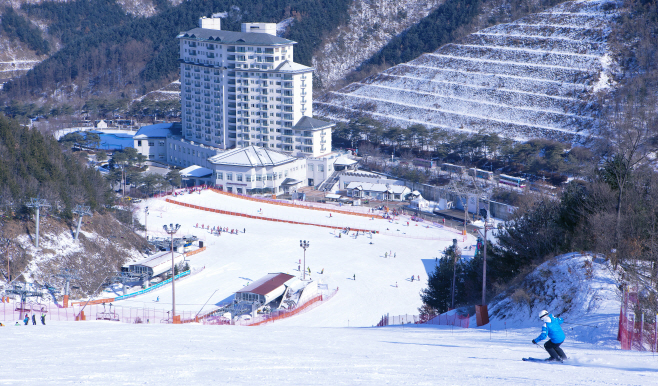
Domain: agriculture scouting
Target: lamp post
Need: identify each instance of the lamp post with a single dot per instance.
(304, 244)
(171, 230)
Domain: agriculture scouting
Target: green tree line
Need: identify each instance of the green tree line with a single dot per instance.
(18, 27)
(34, 165)
(113, 53)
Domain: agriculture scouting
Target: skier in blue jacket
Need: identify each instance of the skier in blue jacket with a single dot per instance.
(555, 335)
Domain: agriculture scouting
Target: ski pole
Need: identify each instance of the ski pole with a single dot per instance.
(584, 325)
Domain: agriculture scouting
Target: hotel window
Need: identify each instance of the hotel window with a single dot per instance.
(229, 176)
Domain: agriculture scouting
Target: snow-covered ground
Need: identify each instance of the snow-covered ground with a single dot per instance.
(232, 261)
(106, 353)
(333, 343)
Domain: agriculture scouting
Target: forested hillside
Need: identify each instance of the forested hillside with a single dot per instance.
(109, 52)
(32, 165)
(106, 51)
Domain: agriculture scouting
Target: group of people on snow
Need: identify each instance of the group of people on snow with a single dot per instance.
(26, 320)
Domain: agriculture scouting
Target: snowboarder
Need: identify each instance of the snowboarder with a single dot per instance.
(43, 318)
(354, 277)
(412, 278)
(322, 272)
(555, 335)
(395, 255)
(157, 299)
(26, 320)
(34, 320)
(244, 230)
(385, 255)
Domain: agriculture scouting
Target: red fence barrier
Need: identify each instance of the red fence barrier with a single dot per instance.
(636, 334)
(15, 312)
(273, 202)
(221, 211)
(274, 316)
(445, 319)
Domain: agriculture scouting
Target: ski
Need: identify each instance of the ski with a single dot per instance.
(530, 359)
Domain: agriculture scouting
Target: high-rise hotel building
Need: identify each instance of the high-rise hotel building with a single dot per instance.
(242, 88)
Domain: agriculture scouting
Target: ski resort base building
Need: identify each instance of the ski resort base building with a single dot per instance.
(256, 170)
(248, 170)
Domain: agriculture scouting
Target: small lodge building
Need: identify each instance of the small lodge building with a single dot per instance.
(265, 289)
(377, 191)
(154, 265)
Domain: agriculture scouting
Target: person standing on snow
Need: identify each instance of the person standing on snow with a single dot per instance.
(43, 318)
(26, 320)
(34, 320)
(555, 335)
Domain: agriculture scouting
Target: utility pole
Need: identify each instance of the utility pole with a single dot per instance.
(37, 203)
(304, 244)
(456, 256)
(171, 230)
(81, 211)
(7, 243)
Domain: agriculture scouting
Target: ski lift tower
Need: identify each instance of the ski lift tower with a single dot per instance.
(25, 291)
(37, 203)
(463, 191)
(81, 211)
(67, 276)
(127, 277)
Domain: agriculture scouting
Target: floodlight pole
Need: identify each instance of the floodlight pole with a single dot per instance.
(304, 244)
(171, 230)
(146, 224)
(37, 203)
(81, 211)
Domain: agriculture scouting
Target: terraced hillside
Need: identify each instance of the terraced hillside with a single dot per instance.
(535, 77)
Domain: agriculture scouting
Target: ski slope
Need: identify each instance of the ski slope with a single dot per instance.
(233, 261)
(106, 353)
(334, 343)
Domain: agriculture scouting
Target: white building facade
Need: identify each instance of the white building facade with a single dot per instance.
(255, 170)
(241, 89)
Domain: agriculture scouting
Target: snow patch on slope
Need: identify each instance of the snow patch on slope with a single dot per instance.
(581, 288)
(531, 78)
(372, 24)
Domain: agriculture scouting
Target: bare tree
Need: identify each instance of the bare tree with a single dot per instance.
(631, 140)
